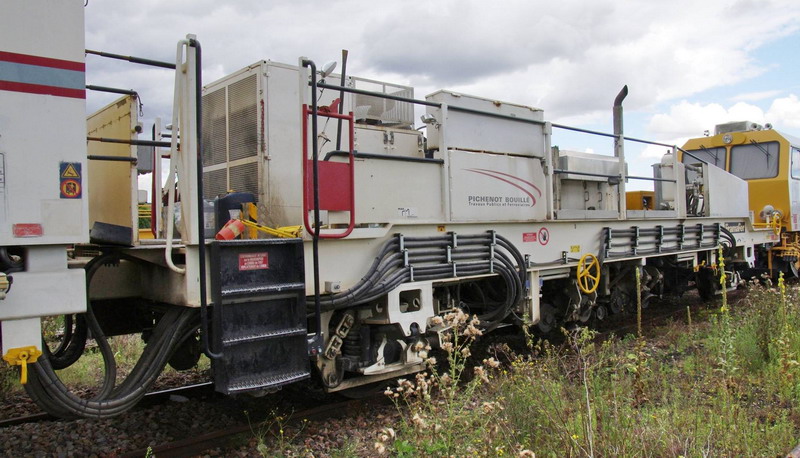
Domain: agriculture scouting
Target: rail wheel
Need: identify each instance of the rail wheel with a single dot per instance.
(706, 281)
(794, 266)
(547, 318)
(600, 312)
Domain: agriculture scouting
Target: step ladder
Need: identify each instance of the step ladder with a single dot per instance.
(260, 328)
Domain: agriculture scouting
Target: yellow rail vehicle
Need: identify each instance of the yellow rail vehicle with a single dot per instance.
(769, 161)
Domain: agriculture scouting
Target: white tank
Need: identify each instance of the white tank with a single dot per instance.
(668, 190)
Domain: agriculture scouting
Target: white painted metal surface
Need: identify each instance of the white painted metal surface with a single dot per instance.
(43, 185)
(469, 131)
(491, 187)
(42, 123)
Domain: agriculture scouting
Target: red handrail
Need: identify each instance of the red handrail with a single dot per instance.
(352, 198)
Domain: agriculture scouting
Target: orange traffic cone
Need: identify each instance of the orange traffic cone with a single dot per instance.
(230, 230)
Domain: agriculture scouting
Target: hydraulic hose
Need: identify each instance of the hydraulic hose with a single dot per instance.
(54, 397)
(73, 344)
(438, 258)
(51, 394)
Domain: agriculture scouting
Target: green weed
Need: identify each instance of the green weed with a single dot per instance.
(727, 385)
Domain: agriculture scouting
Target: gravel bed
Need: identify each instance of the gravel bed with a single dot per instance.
(184, 418)
(348, 436)
(109, 437)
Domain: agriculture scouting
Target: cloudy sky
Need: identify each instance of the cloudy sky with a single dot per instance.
(688, 64)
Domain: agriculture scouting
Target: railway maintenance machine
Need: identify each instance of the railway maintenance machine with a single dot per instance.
(308, 231)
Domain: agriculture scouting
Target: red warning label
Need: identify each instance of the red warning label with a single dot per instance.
(528, 237)
(253, 261)
(27, 230)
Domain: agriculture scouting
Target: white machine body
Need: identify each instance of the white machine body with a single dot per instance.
(43, 186)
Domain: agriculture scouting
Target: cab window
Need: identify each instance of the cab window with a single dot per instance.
(795, 162)
(713, 156)
(755, 160)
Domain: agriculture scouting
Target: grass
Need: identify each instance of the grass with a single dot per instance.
(728, 385)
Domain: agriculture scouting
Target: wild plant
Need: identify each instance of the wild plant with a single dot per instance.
(273, 437)
(437, 407)
(727, 355)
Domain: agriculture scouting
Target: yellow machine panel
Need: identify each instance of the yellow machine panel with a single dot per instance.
(759, 156)
(113, 182)
(639, 200)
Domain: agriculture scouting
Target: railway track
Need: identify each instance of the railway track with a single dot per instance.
(152, 398)
(657, 314)
(223, 437)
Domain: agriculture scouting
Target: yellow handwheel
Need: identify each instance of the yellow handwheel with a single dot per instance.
(588, 273)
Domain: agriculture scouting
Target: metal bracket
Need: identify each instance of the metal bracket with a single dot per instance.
(315, 345)
(659, 238)
(700, 229)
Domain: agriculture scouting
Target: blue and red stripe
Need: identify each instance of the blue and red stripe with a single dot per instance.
(42, 75)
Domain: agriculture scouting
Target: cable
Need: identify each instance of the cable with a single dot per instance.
(438, 258)
(54, 397)
(51, 394)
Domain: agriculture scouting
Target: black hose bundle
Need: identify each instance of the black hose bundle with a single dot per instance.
(47, 390)
(72, 345)
(405, 259)
(54, 397)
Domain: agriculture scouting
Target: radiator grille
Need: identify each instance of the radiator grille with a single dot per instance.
(244, 178)
(214, 129)
(215, 183)
(242, 106)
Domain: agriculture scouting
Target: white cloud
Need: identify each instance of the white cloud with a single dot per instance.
(785, 112)
(656, 151)
(569, 57)
(685, 120)
(756, 96)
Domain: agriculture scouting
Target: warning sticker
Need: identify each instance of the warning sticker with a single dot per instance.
(544, 236)
(70, 170)
(27, 230)
(528, 237)
(70, 189)
(253, 261)
(70, 180)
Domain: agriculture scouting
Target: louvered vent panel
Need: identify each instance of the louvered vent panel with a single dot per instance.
(244, 178)
(214, 183)
(242, 106)
(214, 137)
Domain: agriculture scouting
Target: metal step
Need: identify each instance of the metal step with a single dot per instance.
(261, 330)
